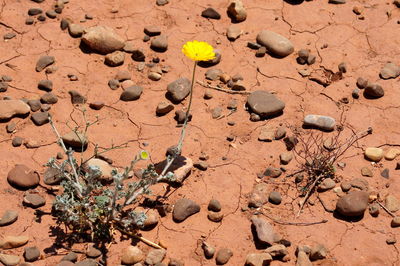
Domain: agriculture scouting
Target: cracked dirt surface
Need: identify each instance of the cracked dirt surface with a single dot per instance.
(365, 45)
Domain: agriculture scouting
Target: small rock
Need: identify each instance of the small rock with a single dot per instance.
(46, 85)
(17, 141)
(11, 127)
(273, 172)
(210, 13)
(355, 93)
(34, 11)
(184, 208)
(236, 11)
(395, 222)
(275, 43)
(258, 259)
(238, 86)
(337, 1)
(277, 250)
(155, 256)
(215, 216)
(52, 176)
(22, 177)
(34, 200)
(77, 97)
(326, 184)
(44, 61)
(8, 217)
(392, 153)
(75, 30)
(342, 67)
(223, 256)
(113, 84)
(373, 209)
(132, 255)
(275, 197)
(374, 91)
(71, 256)
(261, 51)
(265, 231)
(318, 252)
(360, 183)
(93, 252)
(114, 59)
(391, 241)
(162, 2)
(138, 55)
(29, 21)
(214, 205)
(285, 158)
(75, 139)
(179, 89)
(123, 75)
(385, 173)
(311, 59)
(40, 118)
(159, 43)
(216, 112)
(87, 262)
(96, 105)
(13, 241)
(104, 167)
(164, 108)
(353, 204)
(201, 165)
(9, 35)
(9, 260)
(51, 14)
(303, 259)
(321, 122)
(3, 86)
(35, 105)
(131, 94)
(103, 39)
(365, 171)
(209, 251)
(265, 104)
(390, 70)
(213, 74)
(31, 253)
(49, 98)
(233, 32)
(362, 83)
(180, 116)
(392, 203)
(154, 76)
(374, 154)
(152, 30)
(259, 196)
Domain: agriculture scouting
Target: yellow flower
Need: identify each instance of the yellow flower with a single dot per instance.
(198, 51)
(144, 155)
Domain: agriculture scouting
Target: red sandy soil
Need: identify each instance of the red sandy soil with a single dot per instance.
(365, 45)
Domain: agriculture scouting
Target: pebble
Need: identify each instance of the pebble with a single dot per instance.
(259, 196)
(9, 35)
(34, 11)
(213, 74)
(152, 30)
(29, 21)
(183, 209)
(77, 97)
(210, 13)
(390, 70)
(391, 241)
(96, 105)
(103, 39)
(104, 167)
(22, 177)
(212, 62)
(275, 197)
(392, 153)
(395, 222)
(3, 86)
(236, 11)
(374, 154)
(303, 55)
(52, 176)
(75, 140)
(265, 104)
(113, 84)
(373, 209)
(51, 14)
(75, 30)
(392, 203)
(326, 184)
(154, 76)
(311, 59)
(34, 105)
(155, 256)
(31, 253)
(352, 204)
(132, 93)
(17, 141)
(233, 32)
(49, 98)
(34, 200)
(265, 232)
(164, 108)
(215, 216)
(318, 252)
(362, 83)
(8, 242)
(355, 93)
(258, 259)
(261, 51)
(123, 75)
(64, 23)
(223, 256)
(325, 123)
(273, 172)
(208, 95)
(87, 262)
(132, 255)
(44, 61)
(180, 116)
(285, 157)
(93, 252)
(8, 217)
(360, 183)
(11, 127)
(40, 118)
(216, 112)
(162, 2)
(365, 171)
(45, 107)
(114, 59)
(9, 260)
(277, 250)
(342, 67)
(275, 43)
(71, 256)
(214, 205)
(303, 259)
(65, 263)
(45, 85)
(385, 173)
(159, 43)
(374, 91)
(201, 165)
(138, 55)
(179, 89)
(209, 250)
